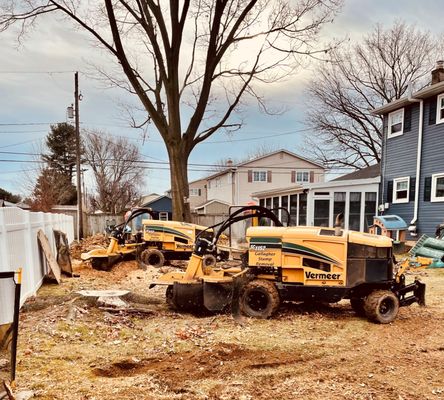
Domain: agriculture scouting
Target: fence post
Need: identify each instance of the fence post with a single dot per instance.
(3, 247)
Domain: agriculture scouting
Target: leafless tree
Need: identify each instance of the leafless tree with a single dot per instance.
(118, 175)
(191, 63)
(51, 188)
(359, 78)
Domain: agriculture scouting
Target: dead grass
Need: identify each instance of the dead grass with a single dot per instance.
(303, 353)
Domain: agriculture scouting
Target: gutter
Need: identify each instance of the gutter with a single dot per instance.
(412, 228)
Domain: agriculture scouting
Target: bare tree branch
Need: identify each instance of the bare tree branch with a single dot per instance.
(116, 169)
(357, 79)
(204, 55)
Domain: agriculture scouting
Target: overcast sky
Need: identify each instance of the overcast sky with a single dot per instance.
(31, 98)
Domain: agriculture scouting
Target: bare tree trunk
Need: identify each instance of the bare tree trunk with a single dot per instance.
(179, 182)
(221, 66)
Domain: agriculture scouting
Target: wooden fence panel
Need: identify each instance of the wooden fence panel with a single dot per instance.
(97, 223)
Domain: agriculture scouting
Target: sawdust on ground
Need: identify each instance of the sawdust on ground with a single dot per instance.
(323, 352)
(78, 247)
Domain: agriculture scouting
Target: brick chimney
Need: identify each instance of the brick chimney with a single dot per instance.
(438, 72)
(230, 161)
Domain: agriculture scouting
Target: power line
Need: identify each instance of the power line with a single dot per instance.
(190, 164)
(14, 132)
(193, 169)
(31, 123)
(20, 143)
(15, 172)
(37, 72)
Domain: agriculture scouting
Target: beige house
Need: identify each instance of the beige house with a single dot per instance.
(213, 207)
(198, 193)
(235, 184)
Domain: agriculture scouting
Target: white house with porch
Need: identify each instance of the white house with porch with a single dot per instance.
(317, 204)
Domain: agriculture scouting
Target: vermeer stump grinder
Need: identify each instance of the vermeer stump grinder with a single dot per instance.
(158, 243)
(119, 246)
(310, 264)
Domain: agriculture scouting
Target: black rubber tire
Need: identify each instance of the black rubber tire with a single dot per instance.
(381, 306)
(153, 258)
(357, 303)
(209, 261)
(259, 299)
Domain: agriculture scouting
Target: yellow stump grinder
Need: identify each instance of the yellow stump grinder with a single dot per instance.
(160, 241)
(308, 264)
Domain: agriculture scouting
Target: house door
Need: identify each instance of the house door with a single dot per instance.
(321, 212)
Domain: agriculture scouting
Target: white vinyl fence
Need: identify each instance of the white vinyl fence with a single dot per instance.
(19, 248)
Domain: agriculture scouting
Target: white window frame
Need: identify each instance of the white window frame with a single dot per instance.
(259, 172)
(218, 182)
(194, 192)
(435, 198)
(394, 197)
(438, 109)
(303, 172)
(163, 216)
(389, 130)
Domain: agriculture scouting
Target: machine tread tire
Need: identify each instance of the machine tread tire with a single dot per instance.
(381, 306)
(259, 299)
(153, 258)
(357, 303)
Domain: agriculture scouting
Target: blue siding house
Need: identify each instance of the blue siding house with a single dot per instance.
(412, 168)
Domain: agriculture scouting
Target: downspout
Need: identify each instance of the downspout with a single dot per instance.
(412, 227)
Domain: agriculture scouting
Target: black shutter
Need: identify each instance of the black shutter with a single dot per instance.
(428, 188)
(385, 125)
(432, 110)
(408, 119)
(389, 191)
(412, 189)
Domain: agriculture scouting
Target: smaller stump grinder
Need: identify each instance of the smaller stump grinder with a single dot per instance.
(158, 243)
(310, 264)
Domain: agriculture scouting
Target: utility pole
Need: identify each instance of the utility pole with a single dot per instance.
(79, 182)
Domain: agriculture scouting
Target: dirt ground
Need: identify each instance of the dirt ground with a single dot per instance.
(69, 349)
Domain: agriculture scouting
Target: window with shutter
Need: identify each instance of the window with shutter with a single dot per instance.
(395, 123)
(440, 109)
(401, 188)
(259, 176)
(437, 189)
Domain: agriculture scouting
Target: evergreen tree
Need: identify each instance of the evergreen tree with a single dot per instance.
(54, 184)
(61, 143)
(8, 196)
